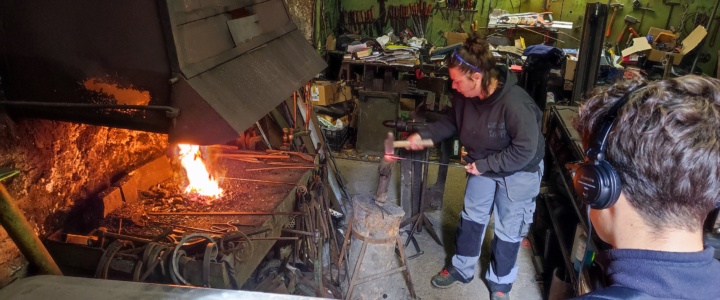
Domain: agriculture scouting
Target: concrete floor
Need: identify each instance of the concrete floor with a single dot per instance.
(361, 177)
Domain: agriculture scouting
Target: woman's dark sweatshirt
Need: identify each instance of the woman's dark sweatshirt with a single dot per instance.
(501, 133)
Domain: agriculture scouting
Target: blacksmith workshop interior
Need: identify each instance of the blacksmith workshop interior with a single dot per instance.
(244, 149)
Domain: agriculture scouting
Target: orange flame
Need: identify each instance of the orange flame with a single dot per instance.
(200, 179)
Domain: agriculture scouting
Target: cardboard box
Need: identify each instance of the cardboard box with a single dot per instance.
(455, 37)
(343, 93)
(323, 92)
(407, 104)
(570, 66)
(328, 92)
(661, 36)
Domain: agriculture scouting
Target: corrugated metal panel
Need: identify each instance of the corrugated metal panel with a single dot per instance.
(246, 88)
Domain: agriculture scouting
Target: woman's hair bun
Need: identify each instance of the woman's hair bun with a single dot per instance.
(476, 45)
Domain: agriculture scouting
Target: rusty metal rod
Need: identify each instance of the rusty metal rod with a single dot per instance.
(222, 213)
(300, 232)
(284, 164)
(264, 156)
(279, 238)
(258, 230)
(188, 228)
(103, 233)
(260, 181)
(232, 235)
(281, 167)
(20, 231)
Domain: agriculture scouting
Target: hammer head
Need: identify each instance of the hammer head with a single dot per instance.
(617, 5)
(630, 19)
(389, 148)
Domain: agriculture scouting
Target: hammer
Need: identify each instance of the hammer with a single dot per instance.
(402, 144)
(629, 20)
(615, 7)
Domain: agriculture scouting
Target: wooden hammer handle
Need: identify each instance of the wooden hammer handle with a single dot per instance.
(403, 144)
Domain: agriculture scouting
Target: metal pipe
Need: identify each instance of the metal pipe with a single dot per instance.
(170, 112)
(223, 213)
(103, 233)
(20, 231)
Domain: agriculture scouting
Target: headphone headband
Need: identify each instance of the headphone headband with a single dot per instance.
(596, 151)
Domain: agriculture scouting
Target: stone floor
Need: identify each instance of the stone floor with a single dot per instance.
(361, 178)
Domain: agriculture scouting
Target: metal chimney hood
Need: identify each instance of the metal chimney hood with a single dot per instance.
(202, 71)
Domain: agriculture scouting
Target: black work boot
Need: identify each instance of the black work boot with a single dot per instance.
(448, 277)
(499, 296)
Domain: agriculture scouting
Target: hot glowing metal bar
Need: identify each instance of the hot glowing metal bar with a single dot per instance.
(394, 157)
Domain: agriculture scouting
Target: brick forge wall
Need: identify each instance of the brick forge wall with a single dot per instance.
(63, 166)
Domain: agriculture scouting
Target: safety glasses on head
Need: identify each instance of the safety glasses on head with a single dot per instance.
(463, 62)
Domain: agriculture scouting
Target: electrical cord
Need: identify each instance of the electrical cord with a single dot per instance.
(587, 244)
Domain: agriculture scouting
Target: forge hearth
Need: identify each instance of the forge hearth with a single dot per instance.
(157, 224)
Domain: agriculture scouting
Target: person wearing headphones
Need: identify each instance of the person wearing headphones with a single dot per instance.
(650, 178)
(499, 125)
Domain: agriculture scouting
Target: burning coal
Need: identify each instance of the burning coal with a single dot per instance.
(200, 180)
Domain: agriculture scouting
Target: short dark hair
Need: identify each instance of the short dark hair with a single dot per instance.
(665, 145)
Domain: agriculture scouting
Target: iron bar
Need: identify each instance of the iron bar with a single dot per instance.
(424, 161)
(260, 181)
(187, 228)
(222, 213)
(20, 231)
(282, 167)
(102, 233)
(170, 112)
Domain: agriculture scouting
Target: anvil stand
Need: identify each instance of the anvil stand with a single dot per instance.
(420, 220)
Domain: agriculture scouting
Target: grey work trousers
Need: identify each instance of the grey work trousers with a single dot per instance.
(512, 198)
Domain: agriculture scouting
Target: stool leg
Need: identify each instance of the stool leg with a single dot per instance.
(411, 288)
(356, 271)
(345, 242)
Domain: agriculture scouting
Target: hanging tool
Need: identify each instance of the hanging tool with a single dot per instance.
(636, 6)
(629, 20)
(390, 17)
(633, 32)
(672, 6)
(615, 7)
(460, 29)
(437, 9)
(713, 34)
(428, 10)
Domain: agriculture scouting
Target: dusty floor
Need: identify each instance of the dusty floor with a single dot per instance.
(361, 178)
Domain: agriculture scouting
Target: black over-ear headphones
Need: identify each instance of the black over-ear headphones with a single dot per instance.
(596, 182)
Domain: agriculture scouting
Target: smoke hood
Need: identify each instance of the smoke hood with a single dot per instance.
(200, 71)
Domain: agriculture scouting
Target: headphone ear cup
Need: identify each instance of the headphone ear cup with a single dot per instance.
(597, 184)
(610, 185)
